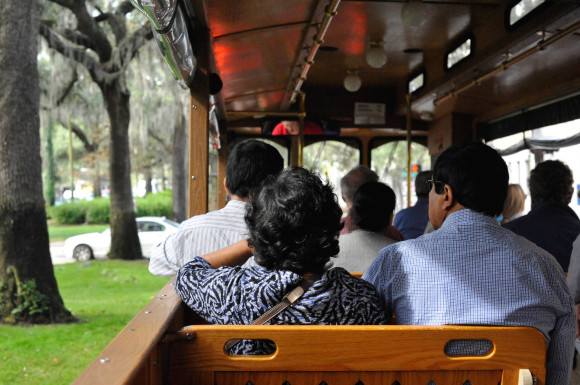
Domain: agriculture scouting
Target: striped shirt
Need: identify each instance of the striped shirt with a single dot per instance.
(472, 271)
(199, 235)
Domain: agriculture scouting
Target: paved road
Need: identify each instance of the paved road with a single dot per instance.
(57, 253)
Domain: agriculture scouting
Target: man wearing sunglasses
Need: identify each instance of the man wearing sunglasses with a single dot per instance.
(471, 270)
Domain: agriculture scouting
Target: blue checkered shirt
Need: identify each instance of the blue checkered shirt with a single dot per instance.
(472, 271)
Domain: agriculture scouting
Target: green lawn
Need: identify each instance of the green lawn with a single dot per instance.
(104, 295)
(58, 233)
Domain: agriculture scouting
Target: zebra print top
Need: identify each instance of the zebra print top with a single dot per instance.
(236, 295)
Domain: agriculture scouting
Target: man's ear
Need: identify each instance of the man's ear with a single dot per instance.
(448, 200)
(226, 188)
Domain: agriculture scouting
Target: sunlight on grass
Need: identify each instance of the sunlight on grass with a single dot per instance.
(104, 295)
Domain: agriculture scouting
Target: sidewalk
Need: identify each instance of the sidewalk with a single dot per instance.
(57, 253)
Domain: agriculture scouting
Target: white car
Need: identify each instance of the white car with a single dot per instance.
(151, 231)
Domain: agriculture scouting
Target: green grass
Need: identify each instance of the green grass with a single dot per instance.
(105, 295)
(58, 233)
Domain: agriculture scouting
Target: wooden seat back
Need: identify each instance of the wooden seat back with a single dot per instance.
(157, 348)
(355, 355)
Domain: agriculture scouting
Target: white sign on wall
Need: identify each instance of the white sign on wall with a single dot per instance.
(369, 113)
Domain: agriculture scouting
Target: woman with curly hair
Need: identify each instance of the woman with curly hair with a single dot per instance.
(294, 224)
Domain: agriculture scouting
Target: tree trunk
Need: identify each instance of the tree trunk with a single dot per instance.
(163, 177)
(124, 240)
(49, 188)
(97, 178)
(148, 179)
(179, 177)
(28, 288)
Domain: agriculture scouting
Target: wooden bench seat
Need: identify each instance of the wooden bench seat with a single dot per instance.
(341, 355)
(157, 348)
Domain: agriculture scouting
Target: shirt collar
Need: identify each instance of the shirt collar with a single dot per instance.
(236, 205)
(467, 216)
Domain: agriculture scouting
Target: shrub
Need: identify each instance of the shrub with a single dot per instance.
(98, 210)
(68, 213)
(158, 205)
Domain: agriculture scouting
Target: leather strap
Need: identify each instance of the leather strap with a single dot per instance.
(288, 300)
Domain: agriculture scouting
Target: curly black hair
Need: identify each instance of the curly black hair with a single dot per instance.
(294, 222)
(551, 181)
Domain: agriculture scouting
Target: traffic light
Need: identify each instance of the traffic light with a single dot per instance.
(415, 169)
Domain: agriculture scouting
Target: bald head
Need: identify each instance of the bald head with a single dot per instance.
(353, 180)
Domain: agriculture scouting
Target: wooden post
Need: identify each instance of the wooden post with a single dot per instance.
(301, 134)
(199, 127)
(221, 170)
(365, 155)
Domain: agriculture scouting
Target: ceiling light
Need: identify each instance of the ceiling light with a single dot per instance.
(352, 81)
(414, 13)
(376, 55)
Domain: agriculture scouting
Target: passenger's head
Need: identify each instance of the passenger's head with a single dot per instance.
(421, 189)
(294, 222)
(249, 163)
(373, 206)
(471, 174)
(353, 180)
(514, 202)
(551, 181)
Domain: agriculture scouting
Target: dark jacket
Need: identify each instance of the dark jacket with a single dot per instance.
(552, 226)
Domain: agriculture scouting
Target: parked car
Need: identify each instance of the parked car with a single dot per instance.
(151, 231)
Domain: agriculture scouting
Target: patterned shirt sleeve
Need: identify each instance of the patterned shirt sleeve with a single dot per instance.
(205, 290)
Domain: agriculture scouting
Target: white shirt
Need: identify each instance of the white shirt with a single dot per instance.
(359, 249)
(199, 235)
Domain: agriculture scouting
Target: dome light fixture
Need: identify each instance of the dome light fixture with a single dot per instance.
(414, 13)
(376, 56)
(352, 81)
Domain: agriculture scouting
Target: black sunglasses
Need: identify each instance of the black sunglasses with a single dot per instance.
(437, 183)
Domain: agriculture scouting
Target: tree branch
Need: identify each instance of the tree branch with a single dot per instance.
(160, 140)
(125, 7)
(77, 54)
(78, 38)
(65, 3)
(90, 147)
(116, 21)
(131, 45)
(67, 88)
(118, 26)
(89, 27)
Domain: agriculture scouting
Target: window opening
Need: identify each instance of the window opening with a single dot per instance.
(458, 54)
(416, 83)
(522, 9)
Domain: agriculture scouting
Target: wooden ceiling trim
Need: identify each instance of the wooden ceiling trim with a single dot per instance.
(313, 38)
(542, 44)
(260, 29)
(487, 59)
(235, 97)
